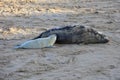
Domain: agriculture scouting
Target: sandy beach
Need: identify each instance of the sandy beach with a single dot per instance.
(21, 20)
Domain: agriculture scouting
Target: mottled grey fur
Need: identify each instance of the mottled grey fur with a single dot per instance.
(75, 34)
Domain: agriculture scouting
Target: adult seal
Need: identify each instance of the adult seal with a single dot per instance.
(75, 34)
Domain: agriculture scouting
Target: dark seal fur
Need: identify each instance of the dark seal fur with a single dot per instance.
(75, 34)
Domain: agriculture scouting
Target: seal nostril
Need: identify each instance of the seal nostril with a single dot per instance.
(106, 40)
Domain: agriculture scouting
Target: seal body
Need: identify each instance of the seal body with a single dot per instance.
(75, 34)
(39, 43)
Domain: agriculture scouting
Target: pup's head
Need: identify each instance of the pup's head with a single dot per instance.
(53, 38)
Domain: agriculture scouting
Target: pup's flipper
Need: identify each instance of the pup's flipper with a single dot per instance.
(18, 47)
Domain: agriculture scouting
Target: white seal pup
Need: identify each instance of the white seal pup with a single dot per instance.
(75, 34)
(38, 43)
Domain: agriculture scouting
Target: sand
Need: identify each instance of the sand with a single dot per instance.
(21, 20)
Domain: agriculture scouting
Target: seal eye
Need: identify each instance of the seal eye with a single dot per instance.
(103, 38)
(106, 40)
(82, 26)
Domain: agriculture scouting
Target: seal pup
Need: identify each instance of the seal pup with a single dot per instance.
(38, 43)
(75, 34)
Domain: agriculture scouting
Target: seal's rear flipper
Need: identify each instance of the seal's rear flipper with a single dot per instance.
(18, 47)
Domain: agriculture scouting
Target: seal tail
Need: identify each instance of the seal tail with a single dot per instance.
(36, 37)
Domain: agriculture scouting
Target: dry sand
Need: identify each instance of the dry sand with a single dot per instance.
(21, 20)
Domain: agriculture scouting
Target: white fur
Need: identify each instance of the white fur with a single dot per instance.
(100, 32)
(39, 43)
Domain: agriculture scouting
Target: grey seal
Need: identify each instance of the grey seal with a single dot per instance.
(75, 34)
(38, 43)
